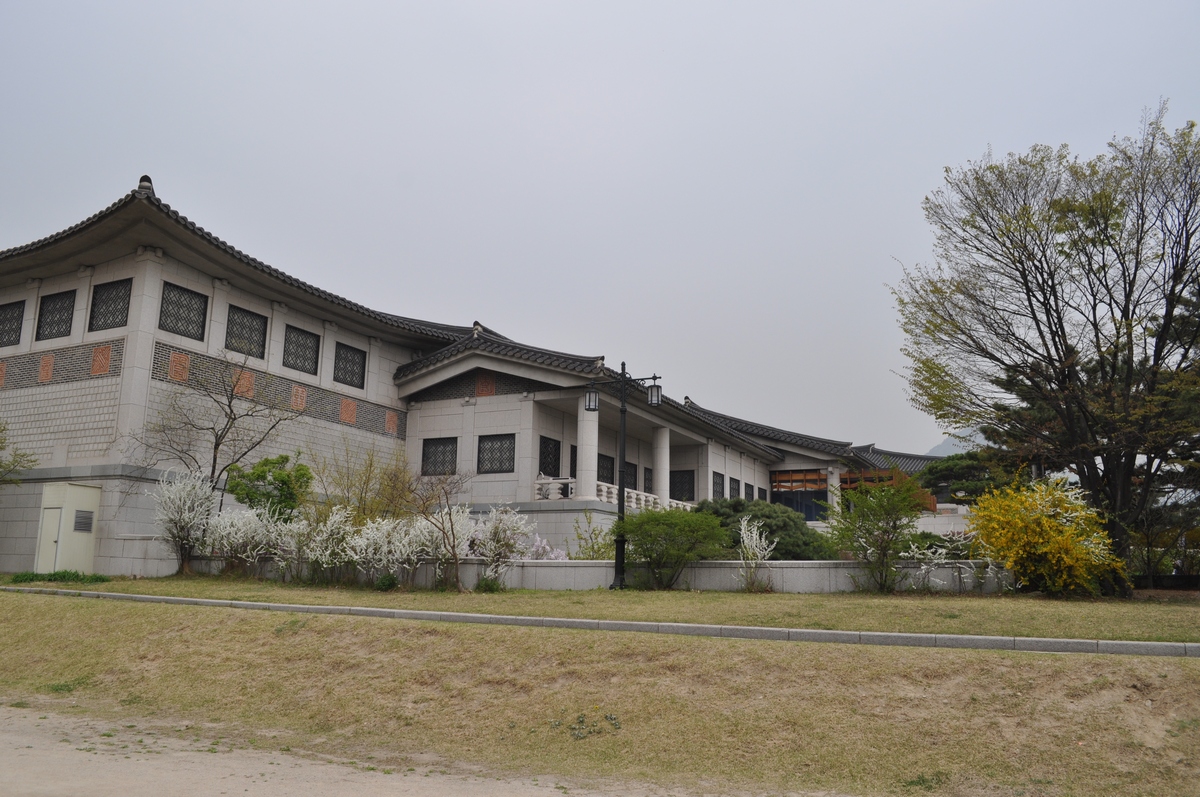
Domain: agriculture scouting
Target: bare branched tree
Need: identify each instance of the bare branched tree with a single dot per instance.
(12, 459)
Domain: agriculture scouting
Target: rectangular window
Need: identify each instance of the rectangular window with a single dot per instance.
(718, 485)
(762, 493)
(55, 315)
(630, 476)
(12, 318)
(183, 312)
(574, 460)
(301, 350)
(683, 485)
(735, 487)
(606, 469)
(549, 457)
(439, 456)
(110, 305)
(349, 365)
(648, 480)
(497, 453)
(749, 491)
(246, 333)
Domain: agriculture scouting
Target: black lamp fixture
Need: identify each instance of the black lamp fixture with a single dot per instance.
(591, 403)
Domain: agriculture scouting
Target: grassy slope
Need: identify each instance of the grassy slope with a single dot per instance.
(1028, 616)
(693, 711)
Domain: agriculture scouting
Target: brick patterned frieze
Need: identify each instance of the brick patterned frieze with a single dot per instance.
(68, 364)
(175, 365)
(481, 382)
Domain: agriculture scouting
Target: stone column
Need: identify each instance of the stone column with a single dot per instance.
(662, 464)
(587, 435)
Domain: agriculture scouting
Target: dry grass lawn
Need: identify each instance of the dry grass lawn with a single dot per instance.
(709, 714)
(1175, 619)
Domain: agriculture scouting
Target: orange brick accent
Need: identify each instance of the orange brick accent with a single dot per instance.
(101, 359)
(3, 366)
(299, 397)
(391, 421)
(349, 411)
(46, 369)
(179, 366)
(485, 383)
(243, 384)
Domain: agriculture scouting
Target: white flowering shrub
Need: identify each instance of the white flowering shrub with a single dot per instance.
(754, 550)
(241, 538)
(388, 545)
(541, 549)
(448, 533)
(500, 537)
(183, 514)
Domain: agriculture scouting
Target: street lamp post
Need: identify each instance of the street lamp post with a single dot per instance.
(591, 403)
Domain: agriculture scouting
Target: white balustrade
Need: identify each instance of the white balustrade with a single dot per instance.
(556, 489)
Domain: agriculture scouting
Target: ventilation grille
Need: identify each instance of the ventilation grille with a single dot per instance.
(83, 520)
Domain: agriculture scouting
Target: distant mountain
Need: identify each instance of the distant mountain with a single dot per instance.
(952, 445)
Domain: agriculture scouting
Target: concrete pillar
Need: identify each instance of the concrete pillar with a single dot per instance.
(587, 432)
(662, 463)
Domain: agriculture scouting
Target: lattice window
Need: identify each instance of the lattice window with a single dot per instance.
(183, 312)
(349, 365)
(110, 305)
(497, 453)
(574, 461)
(683, 485)
(606, 469)
(735, 487)
(12, 318)
(439, 456)
(630, 476)
(749, 491)
(55, 315)
(301, 350)
(762, 493)
(246, 332)
(549, 456)
(718, 485)
(648, 480)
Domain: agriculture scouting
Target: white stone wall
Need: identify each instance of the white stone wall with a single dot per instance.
(20, 509)
(68, 424)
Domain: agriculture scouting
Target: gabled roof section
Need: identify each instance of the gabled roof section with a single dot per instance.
(145, 194)
(886, 460)
(835, 447)
(481, 339)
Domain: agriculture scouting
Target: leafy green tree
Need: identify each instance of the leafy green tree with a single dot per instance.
(1062, 315)
(14, 460)
(667, 540)
(783, 526)
(875, 522)
(968, 475)
(272, 485)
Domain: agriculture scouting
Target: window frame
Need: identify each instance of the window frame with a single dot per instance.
(508, 441)
(167, 288)
(300, 331)
(449, 442)
(128, 282)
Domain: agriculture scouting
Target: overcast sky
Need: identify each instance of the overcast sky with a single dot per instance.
(719, 192)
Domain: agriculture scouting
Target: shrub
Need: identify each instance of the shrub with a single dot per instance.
(754, 549)
(1049, 537)
(185, 505)
(875, 522)
(592, 543)
(499, 538)
(271, 485)
(60, 576)
(489, 584)
(386, 582)
(667, 540)
(784, 527)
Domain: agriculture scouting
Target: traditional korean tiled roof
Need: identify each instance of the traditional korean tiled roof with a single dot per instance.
(886, 460)
(835, 447)
(145, 194)
(482, 339)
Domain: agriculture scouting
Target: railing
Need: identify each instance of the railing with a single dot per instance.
(556, 489)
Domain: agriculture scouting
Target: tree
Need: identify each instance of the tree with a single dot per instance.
(221, 414)
(875, 522)
(1062, 315)
(785, 528)
(15, 460)
(968, 475)
(184, 512)
(271, 485)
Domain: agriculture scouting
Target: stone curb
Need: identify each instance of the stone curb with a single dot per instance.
(957, 641)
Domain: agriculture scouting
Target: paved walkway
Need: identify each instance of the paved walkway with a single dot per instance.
(961, 641)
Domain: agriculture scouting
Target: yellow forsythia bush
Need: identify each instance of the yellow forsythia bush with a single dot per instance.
(1048, 536)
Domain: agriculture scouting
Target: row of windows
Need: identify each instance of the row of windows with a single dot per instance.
(735, 488)
(182, 312)
(497, 454)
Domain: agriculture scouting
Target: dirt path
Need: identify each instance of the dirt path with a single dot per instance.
(44, 754)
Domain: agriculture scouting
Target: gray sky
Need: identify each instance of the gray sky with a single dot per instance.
(719, 192)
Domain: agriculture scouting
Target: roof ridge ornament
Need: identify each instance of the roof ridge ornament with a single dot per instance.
(146, 185)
